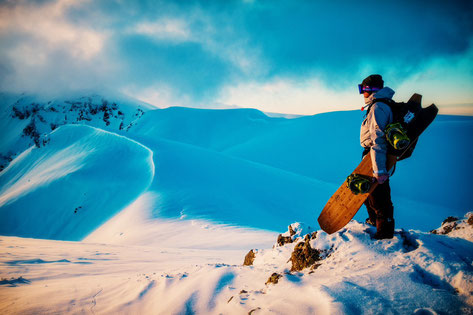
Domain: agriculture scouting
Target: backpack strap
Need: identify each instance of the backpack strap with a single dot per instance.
(386, 101)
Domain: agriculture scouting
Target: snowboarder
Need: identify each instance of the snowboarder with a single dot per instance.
(372, 138)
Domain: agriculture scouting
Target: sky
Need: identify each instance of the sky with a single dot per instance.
(298, 57)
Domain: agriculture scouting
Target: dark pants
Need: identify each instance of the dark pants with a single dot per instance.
(379, 204)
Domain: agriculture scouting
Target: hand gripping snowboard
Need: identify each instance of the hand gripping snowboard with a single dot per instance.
(344, 204)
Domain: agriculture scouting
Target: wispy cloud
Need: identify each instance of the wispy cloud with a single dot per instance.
(164, 29)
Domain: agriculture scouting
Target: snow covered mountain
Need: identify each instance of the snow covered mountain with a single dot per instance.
(166, 203)
(236, 166)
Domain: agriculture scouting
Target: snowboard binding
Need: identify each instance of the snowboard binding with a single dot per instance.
(359, 184)
(397, 136)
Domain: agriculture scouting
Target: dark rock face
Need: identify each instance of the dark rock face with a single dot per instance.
(249, 258)
(274, 278)
(453, 223)
(304, 256)
(294, 231)
(449, 219)
(282, 240)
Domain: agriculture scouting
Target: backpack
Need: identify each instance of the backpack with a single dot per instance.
(404, 114)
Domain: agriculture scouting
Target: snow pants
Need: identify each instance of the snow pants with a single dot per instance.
(379, 204)
(380, 209)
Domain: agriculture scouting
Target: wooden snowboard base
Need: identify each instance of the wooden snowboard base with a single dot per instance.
(344, 204)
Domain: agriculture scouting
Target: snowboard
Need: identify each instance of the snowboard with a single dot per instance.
(344, 204)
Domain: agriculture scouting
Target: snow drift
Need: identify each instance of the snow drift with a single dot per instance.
(415, 272)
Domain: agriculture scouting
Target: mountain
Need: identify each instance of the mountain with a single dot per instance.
(235, 166)
(108, 205)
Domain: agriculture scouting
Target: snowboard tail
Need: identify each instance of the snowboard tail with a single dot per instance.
(344, 204)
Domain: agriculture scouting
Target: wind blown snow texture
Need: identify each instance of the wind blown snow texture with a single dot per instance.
(168, 201)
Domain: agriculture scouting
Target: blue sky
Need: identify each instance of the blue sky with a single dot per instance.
(300, 57)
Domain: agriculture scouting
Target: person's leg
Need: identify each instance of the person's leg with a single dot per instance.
(380, 201)
(371, 220)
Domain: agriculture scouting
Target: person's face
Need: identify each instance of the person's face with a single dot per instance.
(366, 94)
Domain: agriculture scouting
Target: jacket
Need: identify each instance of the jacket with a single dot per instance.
(372, 134)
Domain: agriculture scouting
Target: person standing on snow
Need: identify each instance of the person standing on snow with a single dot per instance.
(373, 140)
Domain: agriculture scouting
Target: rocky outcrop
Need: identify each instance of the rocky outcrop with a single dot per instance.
(455, 227)
(295, 231)
(274, 278)
(304, 255)
(249, 258)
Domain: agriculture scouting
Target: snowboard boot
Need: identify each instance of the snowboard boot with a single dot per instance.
(384, 228)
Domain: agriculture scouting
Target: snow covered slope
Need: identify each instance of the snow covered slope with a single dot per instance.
(27, 119)
(414, 273)
(66, 189)
(168, 202)
(244, 168)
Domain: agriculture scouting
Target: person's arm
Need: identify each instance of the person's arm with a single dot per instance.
(379, 119)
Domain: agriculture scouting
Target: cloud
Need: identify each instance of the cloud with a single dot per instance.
(164, 29)
(444, 80)
(334, 37)
(45, 52)
(296, 57)
(48, 25)
(286, 95)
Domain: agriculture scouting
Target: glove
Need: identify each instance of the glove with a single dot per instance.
(381, 178)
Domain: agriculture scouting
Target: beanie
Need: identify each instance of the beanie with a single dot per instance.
(374, 80)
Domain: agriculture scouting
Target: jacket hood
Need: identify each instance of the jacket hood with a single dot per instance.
(385, 92)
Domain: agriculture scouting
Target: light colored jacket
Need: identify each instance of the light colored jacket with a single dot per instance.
(372, 129)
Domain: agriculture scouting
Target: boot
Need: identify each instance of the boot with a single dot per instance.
(384, 228)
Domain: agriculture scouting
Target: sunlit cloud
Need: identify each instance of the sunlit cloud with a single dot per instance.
(48, 25)
(283, 95)
(161, 96)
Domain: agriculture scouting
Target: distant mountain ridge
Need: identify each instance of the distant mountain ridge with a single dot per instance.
(232, 166)
(36, 118)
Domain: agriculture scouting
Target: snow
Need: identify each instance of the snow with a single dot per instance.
(108, 205)
(66, 189)
(359, 276)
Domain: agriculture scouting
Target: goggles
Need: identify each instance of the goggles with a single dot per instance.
(363, 89)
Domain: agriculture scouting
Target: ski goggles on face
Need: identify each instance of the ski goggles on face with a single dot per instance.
(365, 88)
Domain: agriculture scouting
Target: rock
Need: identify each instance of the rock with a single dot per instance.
(253, 310)
(304, 256)
(282, 240)
(249, 258)
(457, 227)
(274, 278)
(310, 236)
(449, 219)
(295, 231)
(448, 228)
(291, 230)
